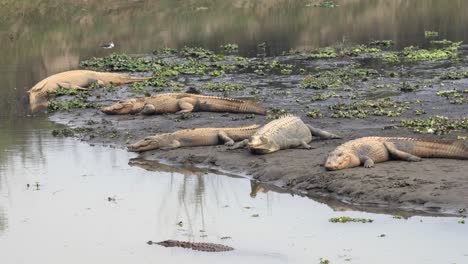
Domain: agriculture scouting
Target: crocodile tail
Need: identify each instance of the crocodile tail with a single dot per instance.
(253, 107)
(451, 149)
(131, 79)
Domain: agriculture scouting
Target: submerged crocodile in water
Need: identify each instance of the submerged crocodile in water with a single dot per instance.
(286, 132)
(182, 103)
(208, 247)
(77, 79)
(369, 150)
(194, 137)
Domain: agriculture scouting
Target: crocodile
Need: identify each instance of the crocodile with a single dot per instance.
(154, 165)
(288, 131)
(182, 103)
(369, 150)
(76, 79)
(207, 247)
(194, 137)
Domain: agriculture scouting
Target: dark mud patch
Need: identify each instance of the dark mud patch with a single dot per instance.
(348, 96)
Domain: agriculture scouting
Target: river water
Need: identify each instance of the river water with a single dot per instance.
(63, 201)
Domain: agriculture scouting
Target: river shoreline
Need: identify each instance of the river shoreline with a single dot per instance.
(353, 95)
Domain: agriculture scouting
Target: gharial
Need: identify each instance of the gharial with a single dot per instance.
(369, 150)
(194, 137)
(182, 103)
(207, 247)
(288, 131)
(76, 79)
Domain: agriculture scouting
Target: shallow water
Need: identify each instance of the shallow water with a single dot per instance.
(69, 217)
(65, 214)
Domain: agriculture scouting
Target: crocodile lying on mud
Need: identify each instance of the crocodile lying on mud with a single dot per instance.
(207, 247)
(182, 103)
(369, 150)
(288, 131)
(77, 79)
(194, 137)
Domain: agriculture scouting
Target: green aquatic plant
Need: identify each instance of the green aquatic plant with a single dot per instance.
(408, 87)
(316, 113)
(455, 96)
(431, 34)
(390, 57)
(362, 109)
(453, 75)
(323, 96)
(324, 4)
(230, 47)
(438, 125)
(68, 105)
(122, 62)
(275, 113)
(196, 52)
(140, 87)
(311, 82)
(346, 219)
(323, 53)
(414, 54)
(382, 43)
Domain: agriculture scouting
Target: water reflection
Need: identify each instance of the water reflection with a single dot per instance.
(41, 38)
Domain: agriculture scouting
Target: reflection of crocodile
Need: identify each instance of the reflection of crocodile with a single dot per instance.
(77, 79)
(286, 132)
(182, 103)
(369, 150)
(208, 247)
(154, 165)
(194, 137)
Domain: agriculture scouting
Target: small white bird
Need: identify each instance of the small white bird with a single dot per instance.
(109, 45)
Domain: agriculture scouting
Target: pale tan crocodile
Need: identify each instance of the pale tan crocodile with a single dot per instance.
(182, 103)
(285, 132)
(76, 79)
(194, 137)
(369, 150)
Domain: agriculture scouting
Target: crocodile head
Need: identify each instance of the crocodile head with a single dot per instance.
(152, 142)
(129, 106)
(261, 145)
(339, 159)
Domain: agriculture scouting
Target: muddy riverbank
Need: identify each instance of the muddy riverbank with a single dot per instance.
(353, 91)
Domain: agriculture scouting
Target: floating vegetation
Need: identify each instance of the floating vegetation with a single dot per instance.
(408, 87)
(397, 216)
(461, 221)
(196, 52)
(122, 62)
(316, 113)
(224, 87)
(390, 57)
(382, 43)
(455, 96)
(438, 125)
(412, 53)
(324, 261)
(323, 53)
(453, 75)
(275, 113)
(311, 82)
(346, 219)
(230, 48)
(140, 87)
(363, 109)
(431, 34)
(323, 96)
(324, 4)
(64, 91)
(56, 105)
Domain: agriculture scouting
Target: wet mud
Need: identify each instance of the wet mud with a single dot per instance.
(354, 95)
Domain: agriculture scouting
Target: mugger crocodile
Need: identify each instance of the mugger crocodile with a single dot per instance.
(369, 150)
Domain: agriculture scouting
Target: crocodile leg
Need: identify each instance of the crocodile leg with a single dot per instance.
(186, 105)
(400, 154)
(70, 86)
(240, 144)
(321, 133)
(225, 138)
(367, 161)
(306, 145)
